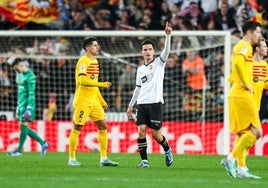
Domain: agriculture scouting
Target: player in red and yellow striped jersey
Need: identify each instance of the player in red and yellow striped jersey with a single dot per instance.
(243, 111)
(260, 78)
(88, 102)
(260, 70)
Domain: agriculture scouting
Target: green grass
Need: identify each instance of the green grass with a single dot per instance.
(191, 171)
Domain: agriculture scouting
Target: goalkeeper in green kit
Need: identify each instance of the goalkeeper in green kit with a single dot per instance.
(26, 106)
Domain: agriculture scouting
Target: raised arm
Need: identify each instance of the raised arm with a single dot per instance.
(164, 54)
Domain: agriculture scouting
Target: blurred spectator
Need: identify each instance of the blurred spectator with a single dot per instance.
(194, 14)
(263, 4)
(225, 18)
(209, 8)
(126, 20)
(172, 89)
(242, 17)
(147, 22)
(186, 3)
(41, 68)
(193, 67)
(249, 11)
(177, 43)
(7, 90)
(109, 71)
(175, 9)
(90, 17)
(219, 96)
(126, 83)
(77, 23)
(171, 3)
(165, 15)
(62, 84)
(43, 47)
(141, 6)
(214, 62)
(15, 52)
(231, 3)
(265, 24)
(103, 15)
(188, 41)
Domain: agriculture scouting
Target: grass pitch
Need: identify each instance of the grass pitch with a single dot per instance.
(191, 171)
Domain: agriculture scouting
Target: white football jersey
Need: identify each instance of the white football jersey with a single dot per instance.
(150, 79)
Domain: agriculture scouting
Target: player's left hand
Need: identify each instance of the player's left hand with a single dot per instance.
(168, 29)
(105, 107)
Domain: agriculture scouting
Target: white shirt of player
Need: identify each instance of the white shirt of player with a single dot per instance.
(150, 78)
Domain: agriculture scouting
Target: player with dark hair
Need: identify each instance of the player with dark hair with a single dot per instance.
(88, 102)
(260, 78)
(26, 106)
(243, 109)
(148, 94)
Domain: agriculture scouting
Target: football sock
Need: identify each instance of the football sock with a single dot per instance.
(241, 159)
(245, 142)
(142, 146)
(23, 136)
(73, 142)
(164, 144)
(103, 142)
(35, 136)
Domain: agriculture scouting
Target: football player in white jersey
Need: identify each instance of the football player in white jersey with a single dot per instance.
(148, 96)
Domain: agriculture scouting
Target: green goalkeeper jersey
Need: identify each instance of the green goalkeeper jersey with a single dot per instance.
(26, 91)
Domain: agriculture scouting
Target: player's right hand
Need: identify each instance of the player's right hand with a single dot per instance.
(129, 112)
(249, 88)
(108, 84)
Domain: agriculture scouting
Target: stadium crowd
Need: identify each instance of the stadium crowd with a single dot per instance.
(226, 15)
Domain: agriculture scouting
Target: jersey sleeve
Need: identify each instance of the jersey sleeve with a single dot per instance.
(138, 80)
(243, 63)
(31, 83)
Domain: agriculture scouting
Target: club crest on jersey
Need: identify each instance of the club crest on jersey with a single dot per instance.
(255, 79)
(92, 76)
(244, 50)
(82, 68)
(151, 67)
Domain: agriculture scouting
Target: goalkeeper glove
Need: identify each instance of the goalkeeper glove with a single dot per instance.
(27, 113)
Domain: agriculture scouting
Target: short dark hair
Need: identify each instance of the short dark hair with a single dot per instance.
(258, 44)
(16, 61)
(88, 41)
(146, 41)
(250, 26)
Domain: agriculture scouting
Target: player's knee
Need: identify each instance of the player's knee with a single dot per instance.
(101, 125)
(157, 135)
(257, 133)
(78, 127)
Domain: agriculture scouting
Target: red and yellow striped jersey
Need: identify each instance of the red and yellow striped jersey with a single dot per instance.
(259, 78)
(87, 95)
